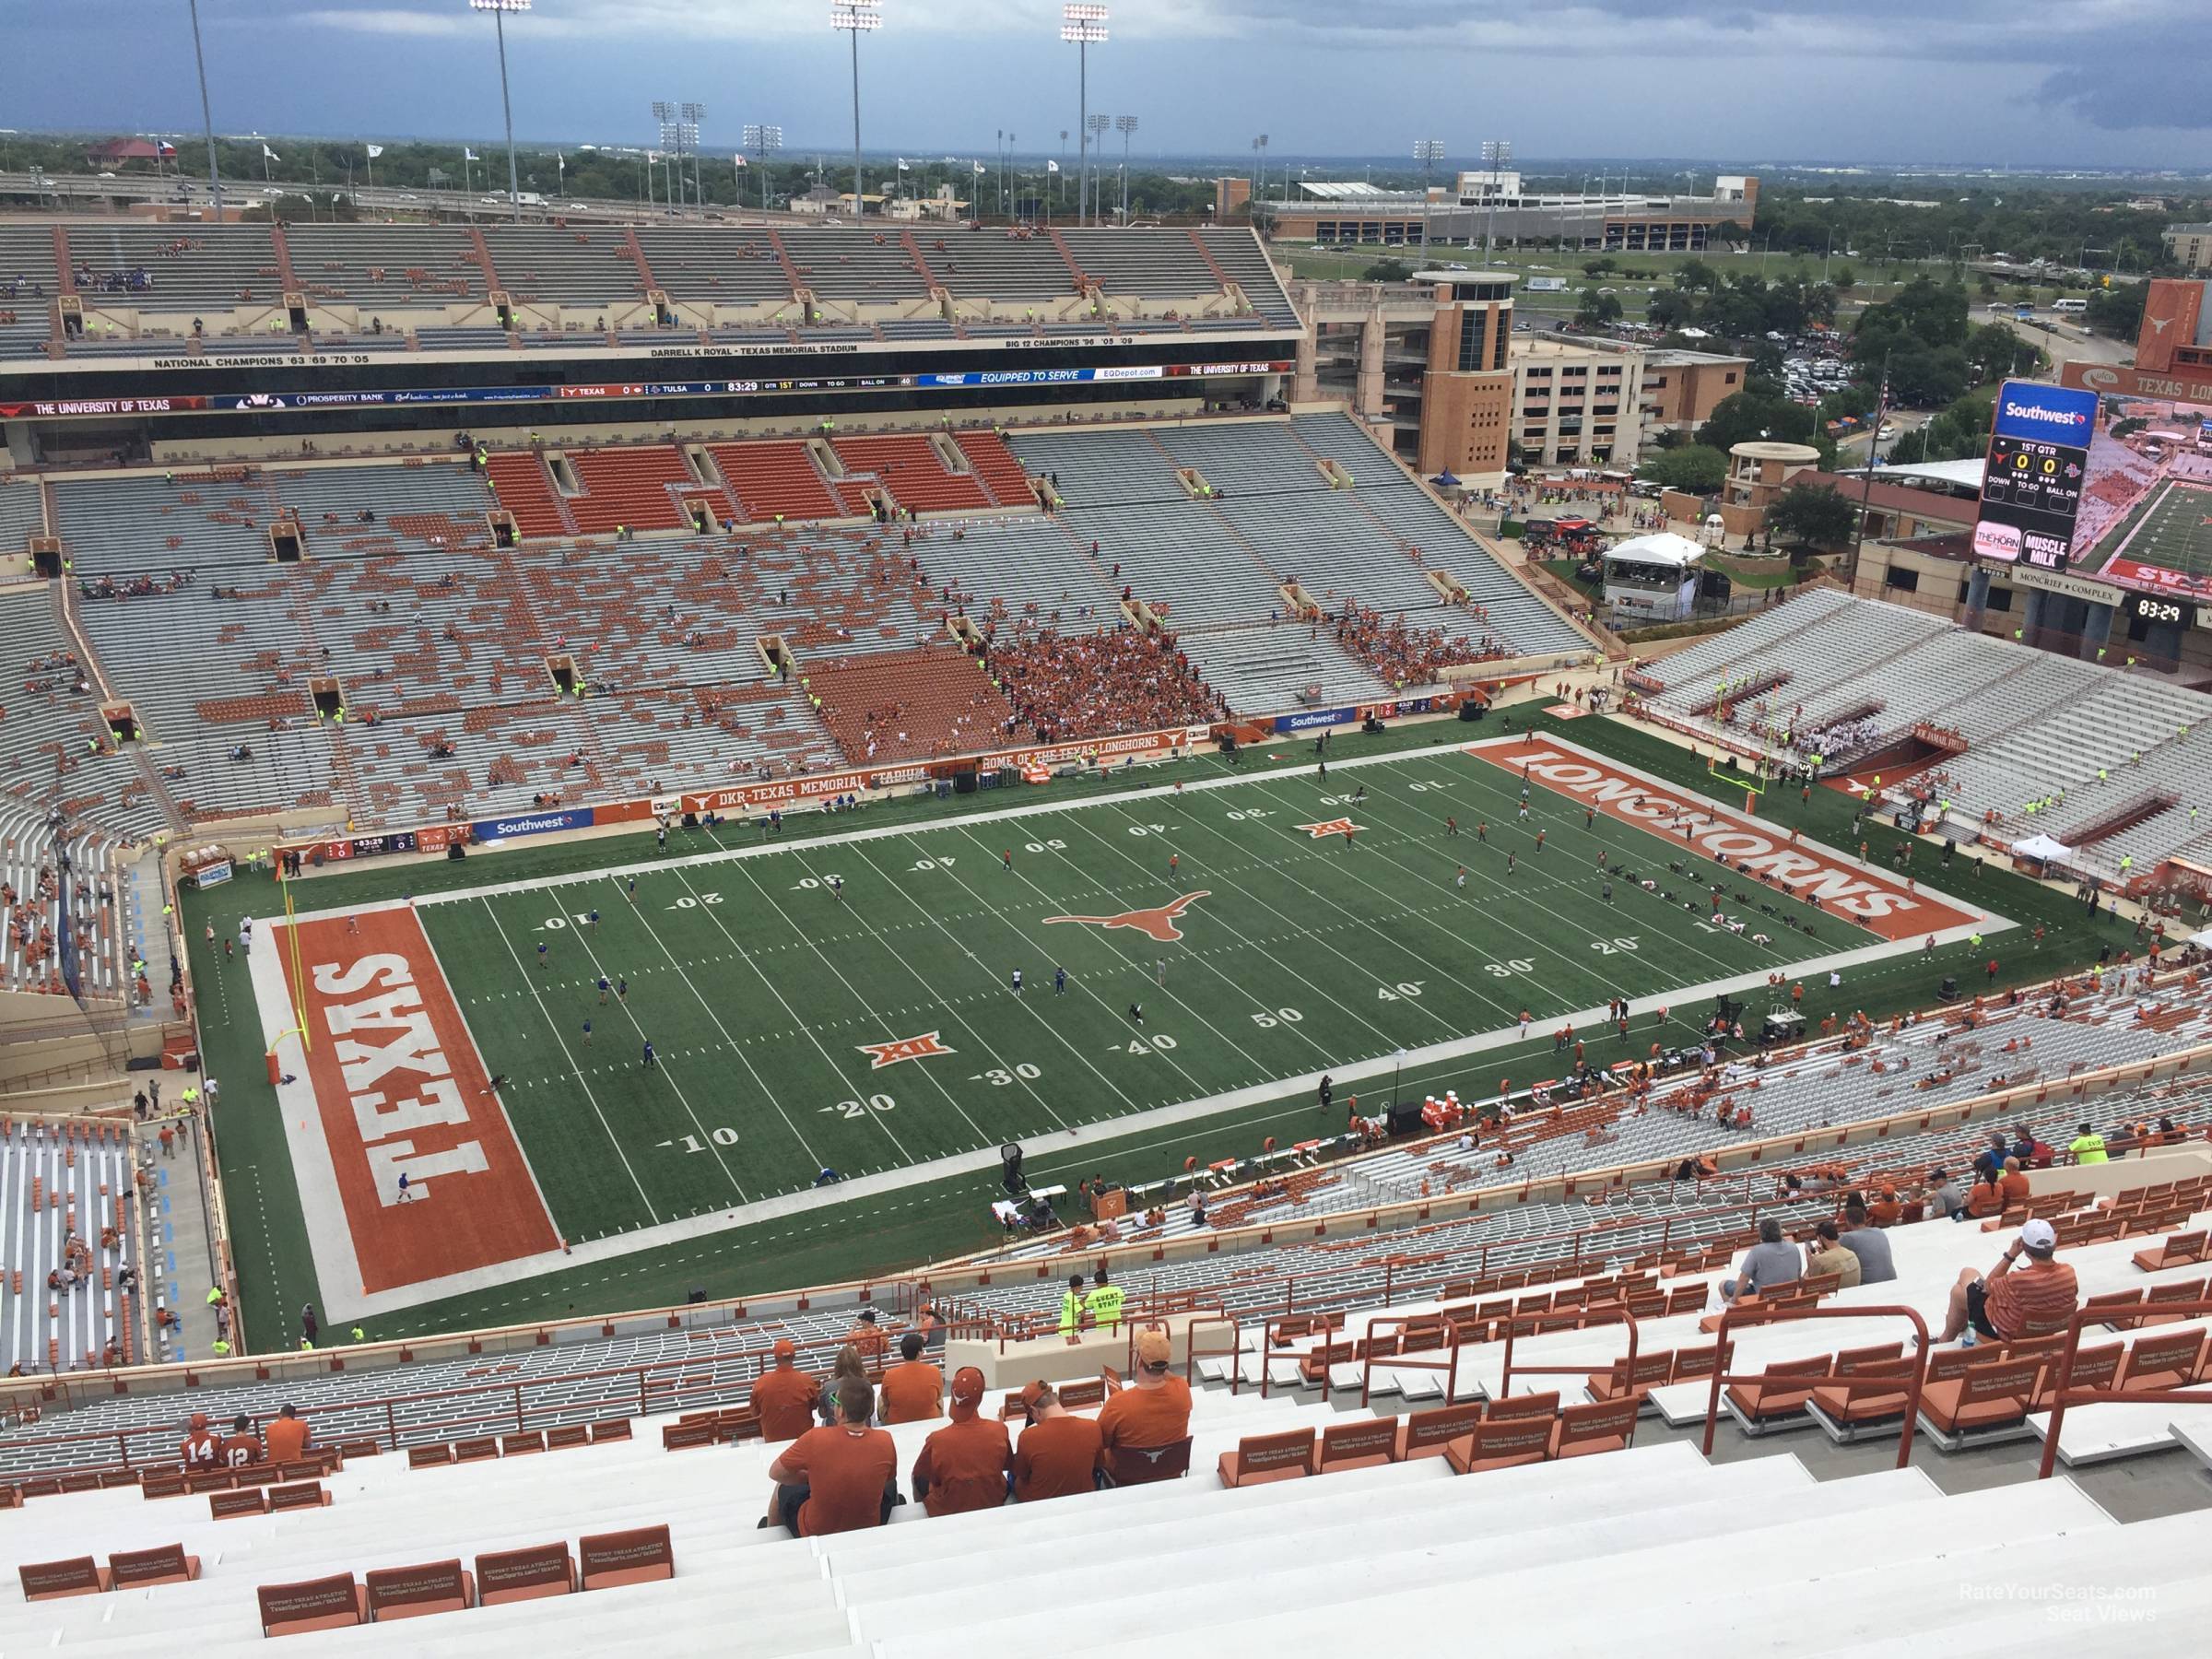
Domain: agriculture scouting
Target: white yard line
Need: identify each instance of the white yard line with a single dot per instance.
(552, 1221)
(761, 973)
(945, 1010)
(737, 1047)
(869, 1009)
(575, 1070)
(661, 1064)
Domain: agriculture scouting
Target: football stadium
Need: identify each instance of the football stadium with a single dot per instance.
(698, 904)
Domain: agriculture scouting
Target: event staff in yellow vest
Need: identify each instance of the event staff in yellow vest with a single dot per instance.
(2087, 1147)
(1103, 1303)
(1071, 1306)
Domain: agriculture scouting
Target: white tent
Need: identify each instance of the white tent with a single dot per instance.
(2043, 849)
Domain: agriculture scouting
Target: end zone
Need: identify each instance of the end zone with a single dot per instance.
(389, 1083)
(1890, 907)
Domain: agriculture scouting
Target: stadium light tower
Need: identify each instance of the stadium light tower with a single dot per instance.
(1497, 153)
(215, 178)
(1428, 152)
(764, 140)
(1126, 125)
(672, 143)
(498, 10)
(690, 115)
(1096, 125)
(1085, 25)
(856, 18)
(1259, 156)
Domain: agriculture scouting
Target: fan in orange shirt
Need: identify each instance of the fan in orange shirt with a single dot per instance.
(785, 1396)
(913, 1390)
(1058, 1452)
(1154, 1409)
(963, 1465)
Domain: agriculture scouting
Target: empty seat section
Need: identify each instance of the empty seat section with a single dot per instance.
(913, 471)
(627, 488)
(775, 481)
(521, 484)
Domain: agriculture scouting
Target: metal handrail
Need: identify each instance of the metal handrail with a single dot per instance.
(1722, 1376)
(1234, 1353)
(1401, 1324)
(2064, 1393)
(1607, 1313)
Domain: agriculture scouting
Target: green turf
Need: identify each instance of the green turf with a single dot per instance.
(1339, 928)
(757, 985)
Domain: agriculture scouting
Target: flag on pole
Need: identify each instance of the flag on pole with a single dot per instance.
(375, 150)
(902, 164)
(269, 155)
(469, 154)
(980, 170)
(1052, 167)
(739, 160)
(164, 150)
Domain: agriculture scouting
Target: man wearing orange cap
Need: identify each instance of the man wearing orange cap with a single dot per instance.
(1154, 1409)
(915, 1389)
(199, 1449)
(1059, 1451)
(963, 1465)
(785, 1396)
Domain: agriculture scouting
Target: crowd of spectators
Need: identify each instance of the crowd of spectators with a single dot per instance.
(1064, 687)
(144, 586)
(1404, 655)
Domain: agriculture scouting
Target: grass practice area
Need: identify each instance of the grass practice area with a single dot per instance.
(833, 1000)
(2172, 529)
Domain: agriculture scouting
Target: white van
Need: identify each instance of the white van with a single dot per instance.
(2069, 306)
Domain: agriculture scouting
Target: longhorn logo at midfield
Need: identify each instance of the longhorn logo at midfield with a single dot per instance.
(1158, 923)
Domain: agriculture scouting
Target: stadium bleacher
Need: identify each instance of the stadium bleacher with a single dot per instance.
(436, 639)
(217, 290)
(2109, 763)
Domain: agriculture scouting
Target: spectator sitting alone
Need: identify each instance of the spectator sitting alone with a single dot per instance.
(964, 1465)
(2008, 1303)
(1059, 1453)
(1869, 1243)
(839, 1478)
(286, 1436)
(1771, 1261)
(914, 1389)
(785, 1396)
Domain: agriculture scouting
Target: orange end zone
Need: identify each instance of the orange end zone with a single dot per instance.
(400, 1089)
(1883, 905)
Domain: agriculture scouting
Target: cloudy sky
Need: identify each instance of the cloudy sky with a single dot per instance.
(2092, 82)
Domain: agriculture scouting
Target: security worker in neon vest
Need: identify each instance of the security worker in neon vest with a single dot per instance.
(1104, 1302)
(2087, 1147)
(1071, 1306)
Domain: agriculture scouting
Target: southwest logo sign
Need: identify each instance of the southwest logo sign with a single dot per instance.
(1157, 923)
(1333, 827)
(903, 1048)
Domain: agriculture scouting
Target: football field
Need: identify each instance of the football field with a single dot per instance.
(849, 1004)
(2171, 531)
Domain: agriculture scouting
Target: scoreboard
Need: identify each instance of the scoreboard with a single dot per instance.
(2039, 450)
